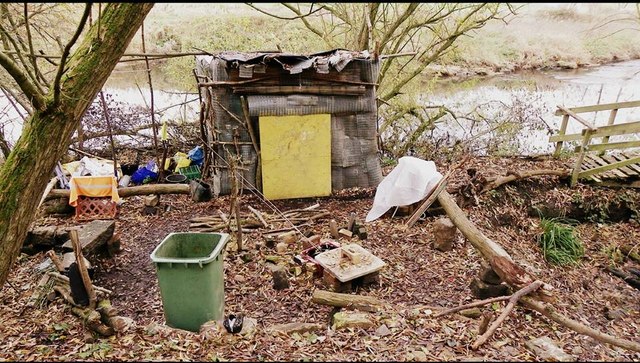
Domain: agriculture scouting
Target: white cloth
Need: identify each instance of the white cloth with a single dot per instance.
(409, 182)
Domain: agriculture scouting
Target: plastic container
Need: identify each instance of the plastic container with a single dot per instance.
(191, 278)
(191, 172)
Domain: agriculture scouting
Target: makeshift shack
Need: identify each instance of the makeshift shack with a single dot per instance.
(300, 125)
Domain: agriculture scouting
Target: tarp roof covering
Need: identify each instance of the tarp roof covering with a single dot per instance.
(296, 63)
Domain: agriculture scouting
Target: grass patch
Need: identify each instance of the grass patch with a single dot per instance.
(559, 242)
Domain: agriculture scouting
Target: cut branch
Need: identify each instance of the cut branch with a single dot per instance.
(513, 300)
(513, 176)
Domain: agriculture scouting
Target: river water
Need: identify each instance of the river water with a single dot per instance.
(516, 111)
(507, 114)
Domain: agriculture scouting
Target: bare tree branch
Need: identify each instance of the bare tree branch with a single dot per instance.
(65, 53)
(299, 16)
(29, 89)
(34, 64)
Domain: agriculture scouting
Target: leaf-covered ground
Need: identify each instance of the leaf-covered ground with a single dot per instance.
(417, 281)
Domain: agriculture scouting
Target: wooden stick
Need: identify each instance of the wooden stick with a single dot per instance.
(65, 279)
(77, 249)
(513, 300)
(235, 200)
(65, 293)
(333, 227)
(56, 261)
(487, 318)
(550, 312)
(427, 203)
(471, 305)
(259, 215)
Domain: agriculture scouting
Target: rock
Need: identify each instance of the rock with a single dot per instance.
(248, 326)
(419, 356)
(155, 328)
(383, 331)
(211, 329)
(93, 236)
(614, 314)
(281, 247)
(471, 313)
(445, 234)
(346, 319)
(489, 276)
(70, 257)
(546, 349)
(482, 290)
(280, 279)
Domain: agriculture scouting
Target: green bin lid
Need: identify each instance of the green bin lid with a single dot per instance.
(223, 239)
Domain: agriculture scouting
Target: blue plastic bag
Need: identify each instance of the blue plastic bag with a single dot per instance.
(196, 155)
(145, 174)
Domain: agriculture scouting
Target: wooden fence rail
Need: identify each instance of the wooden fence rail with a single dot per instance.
(589, 134)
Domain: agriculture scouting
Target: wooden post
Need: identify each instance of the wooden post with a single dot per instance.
(576, 168)
(235, 200)
(77, 249)
(563, 130)
(256, 147)
(612, 119)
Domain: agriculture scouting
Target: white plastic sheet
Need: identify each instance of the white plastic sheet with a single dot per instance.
(409, 182)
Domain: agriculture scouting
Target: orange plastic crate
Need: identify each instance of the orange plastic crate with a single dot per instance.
(90, 208)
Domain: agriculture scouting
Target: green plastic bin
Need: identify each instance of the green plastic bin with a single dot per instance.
(191, 278)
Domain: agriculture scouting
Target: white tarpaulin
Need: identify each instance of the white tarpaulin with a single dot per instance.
(409, 182)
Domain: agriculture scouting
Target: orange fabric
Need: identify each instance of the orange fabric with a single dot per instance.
(93, 186)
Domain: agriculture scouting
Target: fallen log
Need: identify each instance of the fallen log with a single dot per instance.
(364, 303)
(500, 259)
(131, 191)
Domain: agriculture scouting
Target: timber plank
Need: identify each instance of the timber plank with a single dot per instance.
(603, 162)
(600, 107)
(592, 164)
(611, 160)
(623, 157)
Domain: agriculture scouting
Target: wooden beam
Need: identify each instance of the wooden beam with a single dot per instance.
(578, 118)
(578, 165)
(321, 90)
(611, 146)
(600, 107)
(563, 130)
(612, 119)
(427, 203)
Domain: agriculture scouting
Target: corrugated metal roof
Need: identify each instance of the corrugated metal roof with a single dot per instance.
(296, 63)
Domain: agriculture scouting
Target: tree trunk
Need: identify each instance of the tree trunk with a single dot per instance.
(47, 132)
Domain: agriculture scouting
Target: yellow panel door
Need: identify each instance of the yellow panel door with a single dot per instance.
(296, 156)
